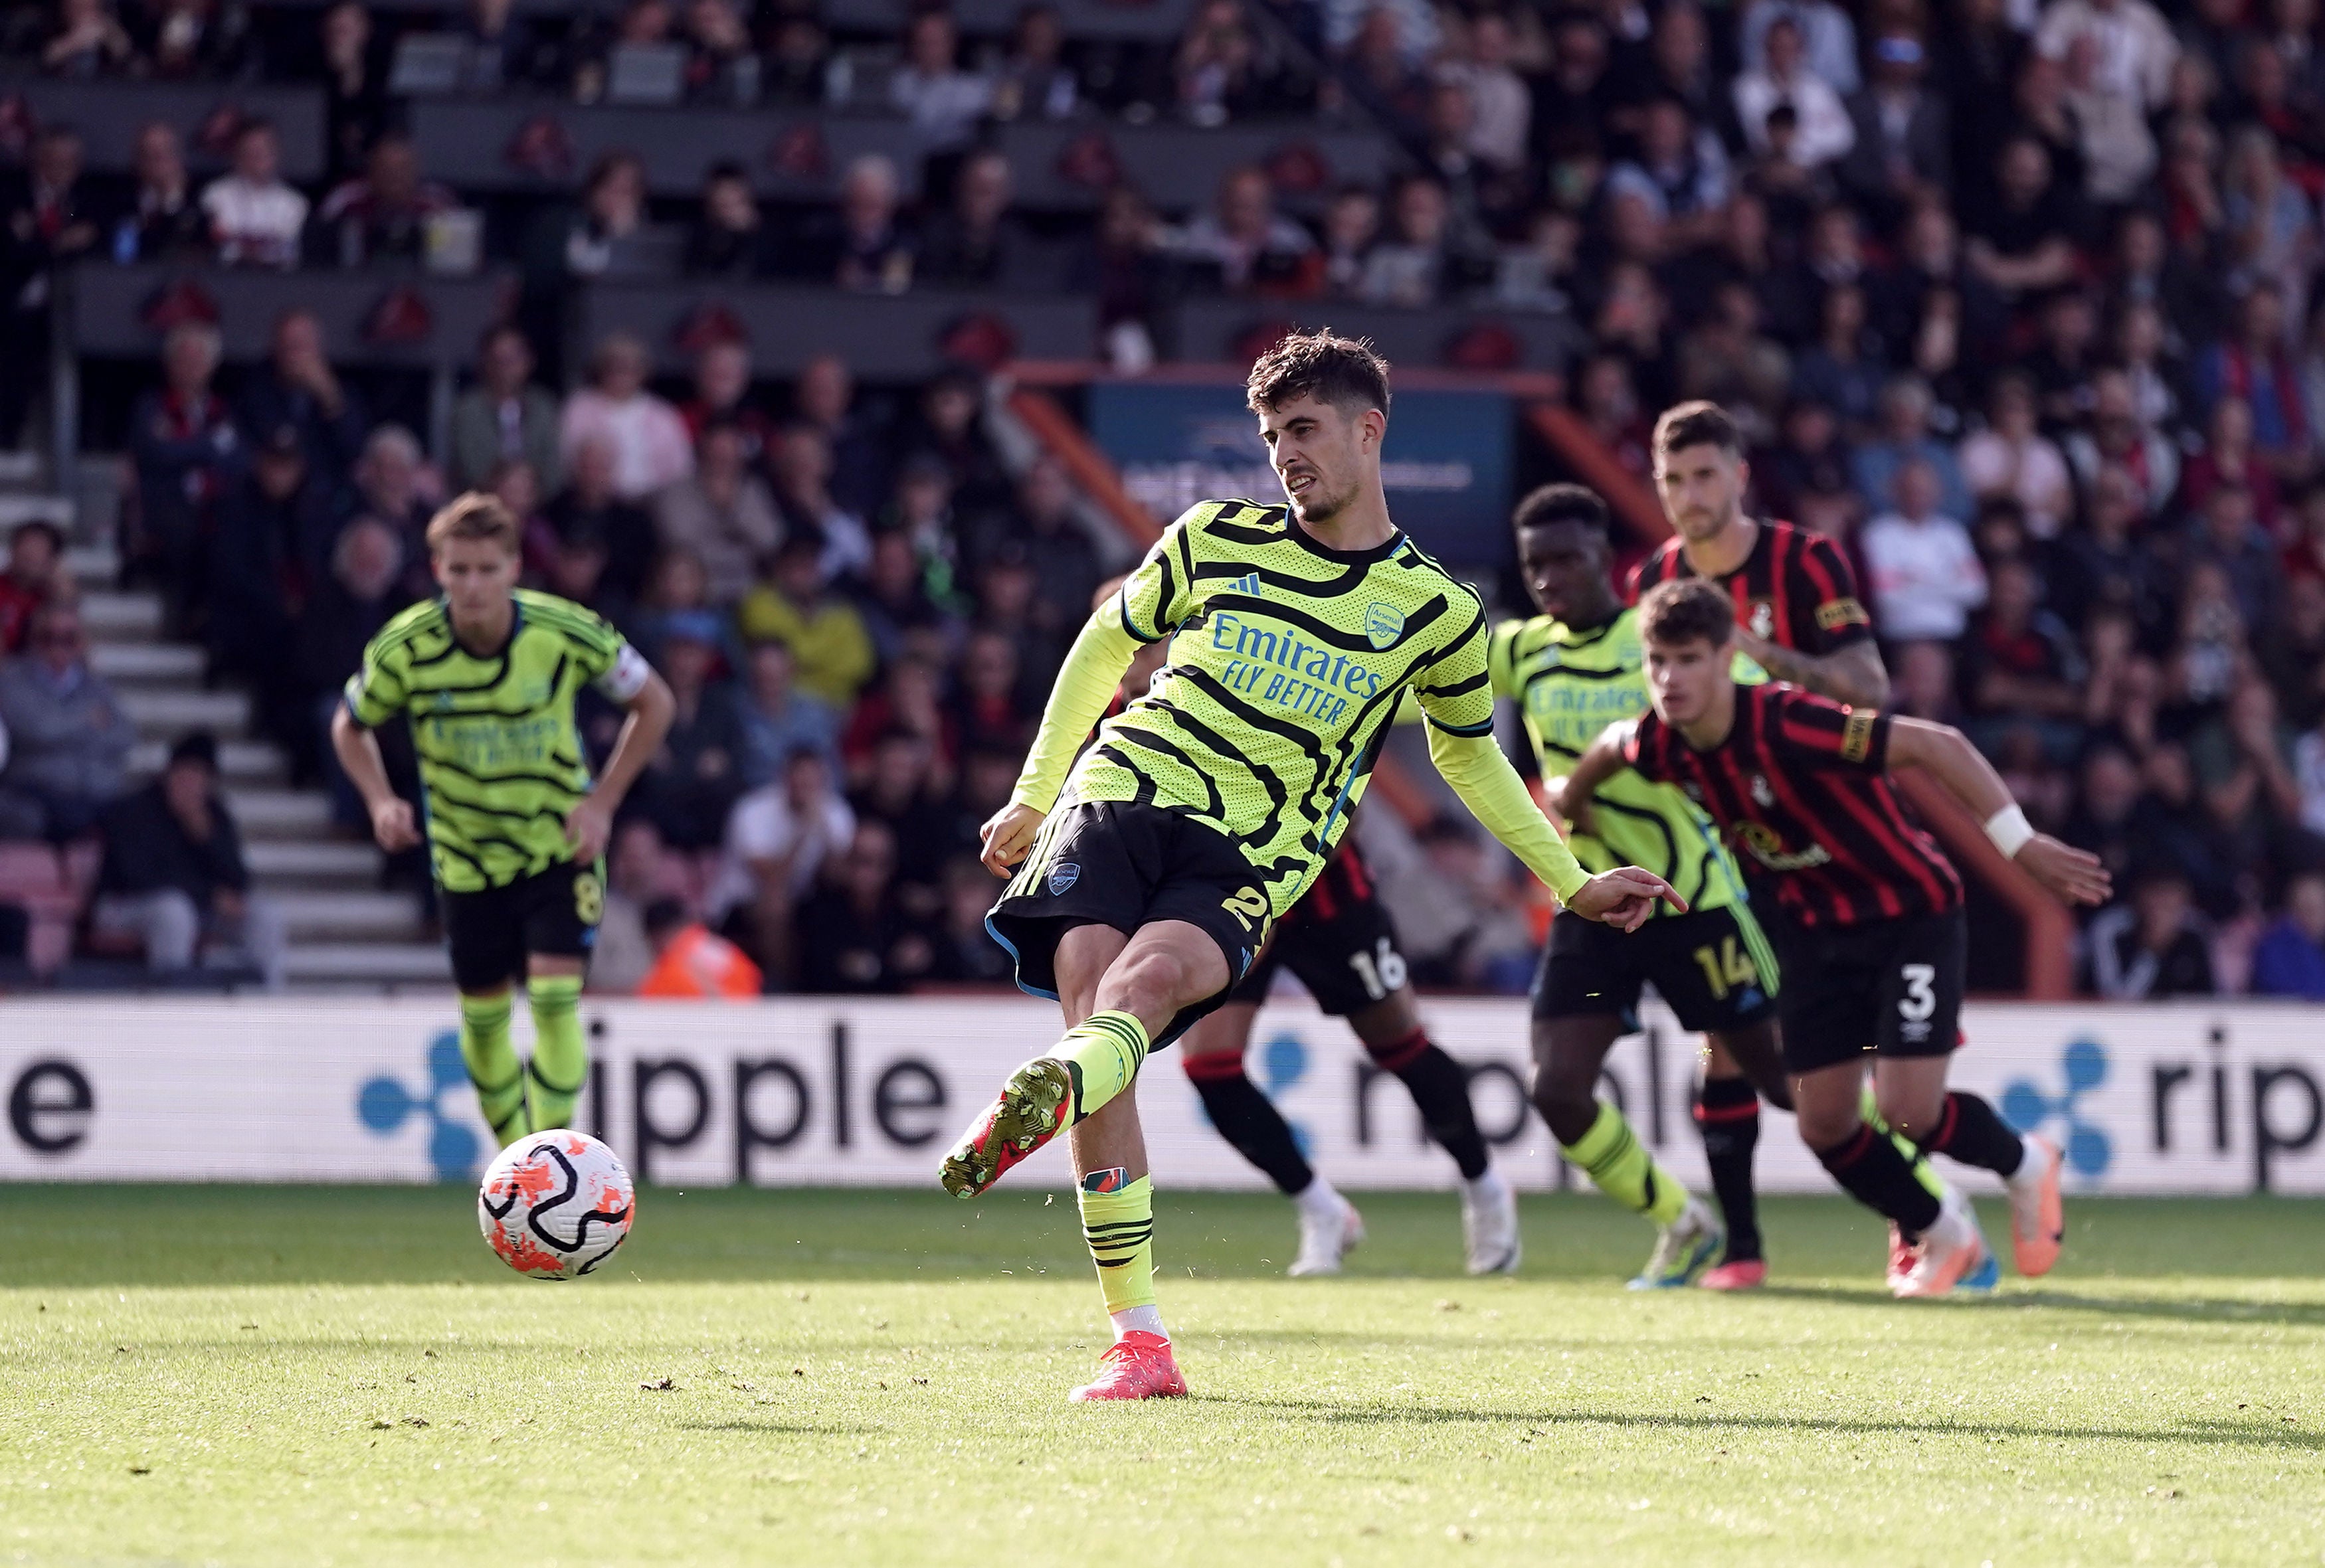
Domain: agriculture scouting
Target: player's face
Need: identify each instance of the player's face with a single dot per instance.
(1565, 568)
(1321, 454)
(1684, 680)
(1701, 487)
(476, 575)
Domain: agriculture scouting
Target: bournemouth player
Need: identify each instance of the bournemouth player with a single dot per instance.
(1867, 917)
(487, 674)
(1341, 943)
(1573, 669)
(1800, 619)
(1152, 866)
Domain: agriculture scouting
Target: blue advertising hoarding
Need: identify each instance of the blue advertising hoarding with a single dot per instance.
(1446, 467)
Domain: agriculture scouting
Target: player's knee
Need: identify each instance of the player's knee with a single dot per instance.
(1913, 1115)
(1153, 982)
(1567, 1100)
(1825, 1124)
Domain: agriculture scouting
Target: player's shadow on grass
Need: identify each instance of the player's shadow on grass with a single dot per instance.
(2206, 1430)
(785, 1428)
(2204, 1309)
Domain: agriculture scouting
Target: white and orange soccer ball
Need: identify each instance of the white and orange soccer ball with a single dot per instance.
(555, 1204)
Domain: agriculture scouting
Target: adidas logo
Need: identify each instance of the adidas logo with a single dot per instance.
(1247, 585)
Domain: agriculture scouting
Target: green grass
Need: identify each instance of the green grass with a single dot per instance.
(241, 1375)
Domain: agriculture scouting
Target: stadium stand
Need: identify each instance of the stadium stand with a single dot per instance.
(2016, 300)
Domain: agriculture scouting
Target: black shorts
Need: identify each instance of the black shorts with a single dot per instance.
(1338, 939)
(1107, 863)
(1893, 987)
(1712, 967)
(554, 913)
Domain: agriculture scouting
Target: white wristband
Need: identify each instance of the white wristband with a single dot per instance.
(2009, 830)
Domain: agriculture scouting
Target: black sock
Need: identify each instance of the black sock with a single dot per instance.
(1969, 1131)
(1877, 1174)
(1441, 1090)
(1250, 1121)
(1728, 1115)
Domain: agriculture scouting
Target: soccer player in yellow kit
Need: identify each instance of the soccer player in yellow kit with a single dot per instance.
(1149, 866)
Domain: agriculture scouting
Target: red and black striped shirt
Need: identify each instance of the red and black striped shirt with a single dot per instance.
(1345, 883)
(1796, 589)
(1801, 786)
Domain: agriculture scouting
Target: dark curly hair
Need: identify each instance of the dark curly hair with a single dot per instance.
(1346, 373)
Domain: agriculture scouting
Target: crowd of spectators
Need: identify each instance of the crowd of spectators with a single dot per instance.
(2015, 297)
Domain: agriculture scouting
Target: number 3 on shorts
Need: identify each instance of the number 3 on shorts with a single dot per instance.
(1920, 998)
(1248, 905)
(588, 899)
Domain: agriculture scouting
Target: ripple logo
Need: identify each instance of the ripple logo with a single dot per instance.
(2027, 1107)
(384, 1105)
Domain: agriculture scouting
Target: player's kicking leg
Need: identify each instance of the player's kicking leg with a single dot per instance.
(1247, 1119)
(1119, 993)
(1912, 1097)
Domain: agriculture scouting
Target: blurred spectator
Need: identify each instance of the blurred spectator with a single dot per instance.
(1924, 576)
(1414, 264)
(722, 395)
(988, 696)
(728, 238)
(35, 571)
(1838, 369)
(2022, 241)
(590, 510)
(865, 247)
(2229, 458)
(1462, 922)
(505, 417)
(355, 85)
(1064, 561)
(794, 71)
(388, 489)
(923, 515)
(51, 222)
(943, 101)
(977, 242)
(2113, 437)
(1215, 68)
(361, 593)
(185, 451)
(854, 936)
(504, 50)
(1352, 226)
(965, 953)
(825, 397)
(2118, 56)
(2020, 667)
(1252, 248)
(778, 719)
(1902, 147)
(256, 219)
(2290, 960)
(1501, 112)
(649, 442)
(2225, 534)
(88, 44)
(691, 782)
(2256, 365)
(2011, 457)
(1902, 435)
(275, 527)
(1129, 268)
(690, 961)
(2292, 652)
(775, 841)
(795, 607)
(721, 66)
(163, 222)
(1786, 77)
(639, 871)
(721, 514)
(1681, 173)
(174, 878)
(610, 220)
(894, 600)
(382, 214)
(2153, 946)
(903, 791)
(67, 736)
(296, 389)
(1035, 82)
(1829, 37)
(802, 464)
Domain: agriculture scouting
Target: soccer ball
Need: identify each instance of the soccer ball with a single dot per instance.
(555, 1204)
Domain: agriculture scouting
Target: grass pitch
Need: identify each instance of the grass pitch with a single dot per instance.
(299, 1376)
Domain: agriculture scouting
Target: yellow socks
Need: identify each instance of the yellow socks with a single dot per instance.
(1118, 1223)
(560, 1057)
(1103, 1054)
(493, 1066)
(1621, 1167)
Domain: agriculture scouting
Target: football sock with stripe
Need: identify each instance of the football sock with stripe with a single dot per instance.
(1970, 1130)
(493, 1066)
(1615, 1159)
(1441, 1090)
(1728, 1115)
(1249, 1120)
(1118, 1223)
(560, 1057)
(1879, 1169)
(1103, 1053)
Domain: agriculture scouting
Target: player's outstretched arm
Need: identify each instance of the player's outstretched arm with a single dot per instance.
(590, 826)
(1490, 787)
(1085, 685)
(1946, 754)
